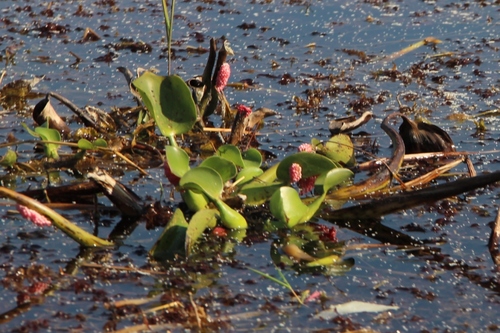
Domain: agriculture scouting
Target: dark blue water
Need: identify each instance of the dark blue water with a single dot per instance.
(449, 292)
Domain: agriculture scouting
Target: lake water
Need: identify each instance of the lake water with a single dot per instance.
(284, 48)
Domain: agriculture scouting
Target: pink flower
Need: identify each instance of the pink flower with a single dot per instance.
(38, 288)
(306, 185)
(314, 296)
(222, 77)
(34, 216)
(306, 147)
(295, 172)
(245, 111)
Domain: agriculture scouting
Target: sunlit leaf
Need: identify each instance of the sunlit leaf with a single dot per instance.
(30, 131)
(203, 180)
(252, 158)
(312, 165)
(172, 240)
(248, 174)
(230, 218)
(169, 100)
(339, 149)
(209, 182)
(225, 168)
(231, 153)
(286, 206)
(9, 159)
(194, 200)
(85, 144)
(203, 219)
(100, 143)
(257, 193)
(49, 134)
(177, 160)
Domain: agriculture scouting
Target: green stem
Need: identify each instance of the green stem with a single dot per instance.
(169, 19)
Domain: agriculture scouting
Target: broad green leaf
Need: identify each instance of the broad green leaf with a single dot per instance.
(286, 206)
(100, 143)
(248, 174)
(203, 219)
(9, 159)
(312, 165)
(49, 134)
(172, 240)
(203, 180)
(194, 200)
(177, 160)
(85, 144)
(229, 217)
(225, 168)
(258, 193)
(332, 178)
(231, 153)
(208, 181)
(252, 157)
(335, 177)
(339, 149)
(169, 100)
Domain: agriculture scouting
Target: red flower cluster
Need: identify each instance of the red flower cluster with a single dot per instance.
(243, 110)
(222, 77)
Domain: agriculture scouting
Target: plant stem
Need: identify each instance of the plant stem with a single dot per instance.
(169, 19)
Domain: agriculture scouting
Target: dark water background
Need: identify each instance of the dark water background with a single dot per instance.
(454, 292)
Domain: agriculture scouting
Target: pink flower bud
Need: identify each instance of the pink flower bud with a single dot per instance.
(222, 77)
(306, 147)
(245, 111)
(295, 171)
(314, 296)
(33, 216)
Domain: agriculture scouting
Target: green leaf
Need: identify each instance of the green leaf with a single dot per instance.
(286, 206)
(247, 174)
(85, 144)
(258, 193)
(100, 143)
(194, 201)
(203, 219)
(177, 160)
(231, 153)
(9, 159)
(203, 180)
(225, 168)
(172, 240)
(339, 149)
(30, 131)
(252, 158)
(333, 178)
(49, 134)
(229, 217)
(312, 165)
(169, 100)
